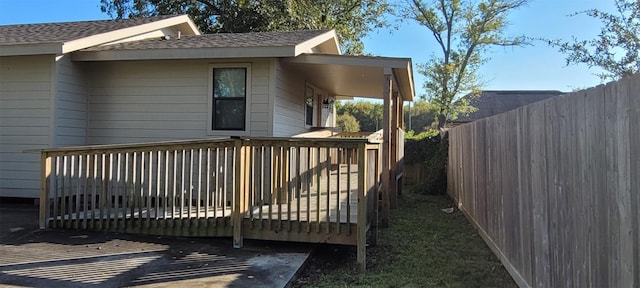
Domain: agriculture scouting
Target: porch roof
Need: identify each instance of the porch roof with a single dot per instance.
(346, 76)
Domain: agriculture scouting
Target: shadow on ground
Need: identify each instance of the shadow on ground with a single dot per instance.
(70, 258)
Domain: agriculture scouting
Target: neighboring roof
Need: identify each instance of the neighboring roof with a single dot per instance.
(490, 103)
(220, 45)
(64, 37)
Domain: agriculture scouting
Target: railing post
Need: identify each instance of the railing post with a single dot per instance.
(241, 189)
(362, 208)
(45, 173)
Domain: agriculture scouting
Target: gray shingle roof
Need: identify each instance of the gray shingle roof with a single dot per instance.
(219, 40)
(490, 103)
(65, 31)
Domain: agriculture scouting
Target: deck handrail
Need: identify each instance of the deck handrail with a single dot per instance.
(237, 186)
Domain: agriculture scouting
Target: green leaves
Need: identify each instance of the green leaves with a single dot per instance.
(464, 30)
(352, 19)
(616, 48)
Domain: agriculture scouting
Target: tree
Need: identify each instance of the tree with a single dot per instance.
(464, 31)
(368, 114)
(616, 47)
(348, 123)
(352, 19)
(421, 115)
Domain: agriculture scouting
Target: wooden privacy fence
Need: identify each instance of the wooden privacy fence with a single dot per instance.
(554, 187)
(288, 189)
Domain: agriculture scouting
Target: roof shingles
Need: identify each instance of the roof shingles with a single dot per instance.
(219, 40)
(66, 31)
(490, 103)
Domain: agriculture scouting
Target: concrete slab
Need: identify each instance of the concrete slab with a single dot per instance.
(67, 258)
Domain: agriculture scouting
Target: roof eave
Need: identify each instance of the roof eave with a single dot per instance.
(325, 43)
(184, 53)
(31, 49)
(183, 21)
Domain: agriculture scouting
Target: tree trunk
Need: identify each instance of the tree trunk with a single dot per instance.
(442, 119)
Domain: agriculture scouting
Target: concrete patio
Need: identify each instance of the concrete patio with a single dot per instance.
(69, 258)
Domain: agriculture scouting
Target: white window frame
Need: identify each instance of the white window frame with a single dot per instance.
(210, 112)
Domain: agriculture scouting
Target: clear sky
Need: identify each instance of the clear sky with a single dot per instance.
(520, 68)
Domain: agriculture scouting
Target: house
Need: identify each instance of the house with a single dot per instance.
(160, 79)
(493, 102)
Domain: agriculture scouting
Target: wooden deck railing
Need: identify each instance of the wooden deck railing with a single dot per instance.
(288, 189)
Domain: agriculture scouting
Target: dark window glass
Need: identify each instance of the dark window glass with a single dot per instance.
(229, 98)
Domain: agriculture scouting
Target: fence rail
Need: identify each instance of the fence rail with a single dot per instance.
(293, 189)
(554, 187)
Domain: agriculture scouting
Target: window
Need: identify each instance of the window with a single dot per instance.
(229, 95)
(309, 107)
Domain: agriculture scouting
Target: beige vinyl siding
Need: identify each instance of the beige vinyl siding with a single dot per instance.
(259, 100)
(25, 93)
(71, 103)
(289, 107)
(142, 101)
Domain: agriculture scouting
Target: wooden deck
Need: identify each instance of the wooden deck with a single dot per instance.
(305, 190)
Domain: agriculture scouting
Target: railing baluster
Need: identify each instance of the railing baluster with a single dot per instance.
(309, 179)
(149, 187)
(262, 183)
(109, 187)
(189, 201)
(85, 205)
(158, 199)
(130, 173)
(137, 188)
(338, 180)
(55, 188)
(349, 193)
(298, 185)
(225, 182)
(216, 187)
(288, 184)
(252, 184)
(76, 193)
(328, 203)
(93, 159)
(279, 179)
(199, 190)
(208, 189)
(119, 193)
(318, 188)
(165, 201)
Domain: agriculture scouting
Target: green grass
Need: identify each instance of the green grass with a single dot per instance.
(423, 247)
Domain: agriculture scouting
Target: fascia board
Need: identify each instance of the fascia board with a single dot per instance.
(31, 49)
(307, 46)
(363, 61)
(112, 36)
(183, 53)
